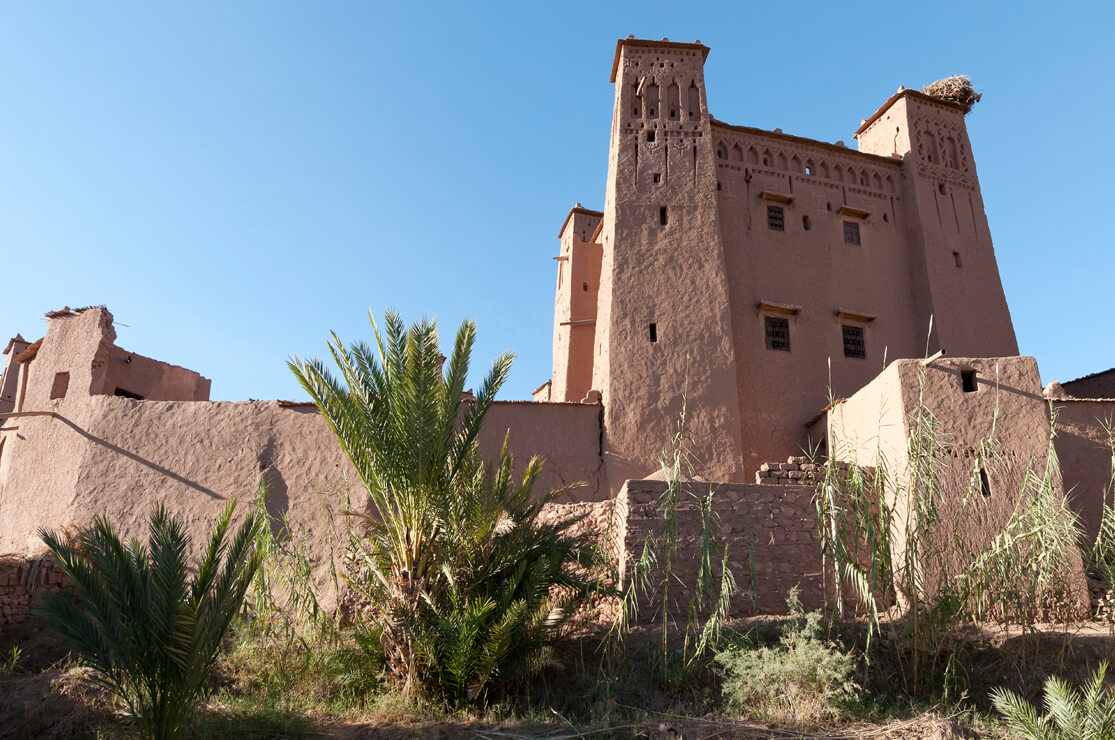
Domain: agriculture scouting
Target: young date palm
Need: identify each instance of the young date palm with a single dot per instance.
(150, 633)
(1071, 715)
(457, 570)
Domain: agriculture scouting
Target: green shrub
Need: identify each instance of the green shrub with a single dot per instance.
(465, 584)
(1070, 715)
(150, 633)
(805, 679)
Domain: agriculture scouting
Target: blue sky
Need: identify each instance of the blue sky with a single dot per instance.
(235, 180)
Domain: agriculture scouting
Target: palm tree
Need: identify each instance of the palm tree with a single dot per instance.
(457, 569)
(150, 633)
(1071, 715)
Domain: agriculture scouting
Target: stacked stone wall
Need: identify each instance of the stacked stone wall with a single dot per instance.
(770, 535)
(796, 471)
(22, 580)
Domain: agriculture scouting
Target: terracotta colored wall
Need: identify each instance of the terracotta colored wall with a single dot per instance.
(578, 286)
(1086, 464)
(9, 380)
(1100, 385)
(671, 275)
(152, 379)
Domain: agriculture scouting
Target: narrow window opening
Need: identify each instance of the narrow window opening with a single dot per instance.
(968, 381)
(854, 345)
(956, 259)
(584, 287)
(941, 188)
(717, 184)
(984, 483)
(663, 219)
(851, 232)
(808, 169)
(127, 394)
(656, 177)
(650, 137)
(653, 332)
(828, 206)
(776, 218)
(778, 333)
(886, 220)
(806, 223)
(60, 386)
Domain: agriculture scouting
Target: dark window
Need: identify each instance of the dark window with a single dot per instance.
(653, 332)
(851, 232)
(778, 333)
(662, 218)
(956, 259)
(650, 137)
(968, 381)
(60, 386)
(853, 342)
(776, 218)
(584, 287)
(984, 483)
(806, 223)
(656, 177)
(127, 394)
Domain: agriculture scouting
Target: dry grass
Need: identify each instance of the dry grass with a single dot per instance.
(955, 89)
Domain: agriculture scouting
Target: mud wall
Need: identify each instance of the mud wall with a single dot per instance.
(1082, 449)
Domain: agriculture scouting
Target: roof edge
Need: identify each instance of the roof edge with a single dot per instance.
(663, 44)
(908, 93)
(577, 209)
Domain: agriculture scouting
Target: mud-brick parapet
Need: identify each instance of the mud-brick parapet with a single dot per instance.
(22, 580)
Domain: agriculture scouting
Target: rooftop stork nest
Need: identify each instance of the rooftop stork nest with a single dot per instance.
(955, 89)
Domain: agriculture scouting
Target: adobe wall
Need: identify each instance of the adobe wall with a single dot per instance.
(1085, 457)
(578, 287)
(151, 379)
(771, 529)
(1097, 385)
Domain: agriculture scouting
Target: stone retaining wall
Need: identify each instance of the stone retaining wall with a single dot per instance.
(22, 579)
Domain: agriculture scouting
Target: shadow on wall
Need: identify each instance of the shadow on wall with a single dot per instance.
(275, 496)
(141, 460)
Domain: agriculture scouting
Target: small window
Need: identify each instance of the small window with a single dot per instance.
(941, 188)
(851, 232)
(717, 184)
(60, 386)
(650, 137)
(886, 219)
(656, 177)
(653, 330)
(776, 218)
(809, 169)
(854, 345)
(127, 394)
(956, 259)
(584, 287)
(778, 333)
(663, 219)
(984, 483)
(806, 223)
(968, 381)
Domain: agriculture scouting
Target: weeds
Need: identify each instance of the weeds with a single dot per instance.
(805, 680)
(9, 662)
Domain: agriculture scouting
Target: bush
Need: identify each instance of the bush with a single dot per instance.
(467, 587)
(805, 679)
(151, 634)
(1071, 715)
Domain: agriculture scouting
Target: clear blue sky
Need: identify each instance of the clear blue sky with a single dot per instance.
(236, 179)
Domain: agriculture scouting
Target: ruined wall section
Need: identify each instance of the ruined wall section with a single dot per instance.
(814, 241)
(945, 217)
(151, 380)
(664, 322)
(771, 530)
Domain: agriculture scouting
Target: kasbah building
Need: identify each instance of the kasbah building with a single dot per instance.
(745, 276)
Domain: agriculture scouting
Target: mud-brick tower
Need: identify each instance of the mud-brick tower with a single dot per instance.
(578, 286)
(663, 330)
(945, 222)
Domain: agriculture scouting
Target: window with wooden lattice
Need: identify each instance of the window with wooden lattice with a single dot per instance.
(854, 345)
(778, 333)
(776, 218)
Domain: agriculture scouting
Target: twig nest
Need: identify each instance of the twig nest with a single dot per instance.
(955, 89)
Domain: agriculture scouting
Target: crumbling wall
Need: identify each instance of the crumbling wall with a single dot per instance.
(22, 580)
(769, 532)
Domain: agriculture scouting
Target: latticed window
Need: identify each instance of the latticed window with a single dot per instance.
(778, 333)
(851, 232)
(776, 218)
(853, 342)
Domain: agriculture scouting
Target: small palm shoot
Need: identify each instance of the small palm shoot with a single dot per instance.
(150, 632)
(1069, 713)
